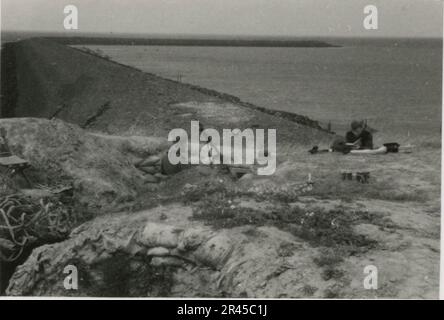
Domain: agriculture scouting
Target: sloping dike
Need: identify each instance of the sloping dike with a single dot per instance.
(88, 122)
(45, 79)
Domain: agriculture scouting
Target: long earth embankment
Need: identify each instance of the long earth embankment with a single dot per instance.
(42, 78)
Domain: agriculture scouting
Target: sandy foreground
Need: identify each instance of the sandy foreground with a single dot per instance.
(202, 232)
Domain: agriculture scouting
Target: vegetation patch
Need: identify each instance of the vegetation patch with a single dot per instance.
(379, 190)
(331, 230)
(316, 225)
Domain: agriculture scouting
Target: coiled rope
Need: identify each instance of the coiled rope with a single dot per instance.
(24, 222)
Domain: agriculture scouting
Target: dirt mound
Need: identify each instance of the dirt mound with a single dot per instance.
(100, 168)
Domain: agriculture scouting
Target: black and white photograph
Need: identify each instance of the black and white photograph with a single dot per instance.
(221, 149)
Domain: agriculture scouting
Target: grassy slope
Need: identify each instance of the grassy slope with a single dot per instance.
(77, 87)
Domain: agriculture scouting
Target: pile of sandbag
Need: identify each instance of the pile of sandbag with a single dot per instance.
(152, 169)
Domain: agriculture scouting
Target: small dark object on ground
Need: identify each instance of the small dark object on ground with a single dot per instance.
(315, 150)
(392, 147)
(362, 177)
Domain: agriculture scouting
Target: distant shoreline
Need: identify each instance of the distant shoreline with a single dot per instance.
(88, 38)
(272, 43)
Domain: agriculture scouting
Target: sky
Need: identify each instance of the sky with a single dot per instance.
(323, 18)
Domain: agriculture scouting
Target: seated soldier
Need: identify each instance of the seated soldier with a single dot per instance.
(359, 138)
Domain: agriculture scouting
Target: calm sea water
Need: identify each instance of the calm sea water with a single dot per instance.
(395, 85)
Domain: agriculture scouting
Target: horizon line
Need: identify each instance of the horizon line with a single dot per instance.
(191, 35)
